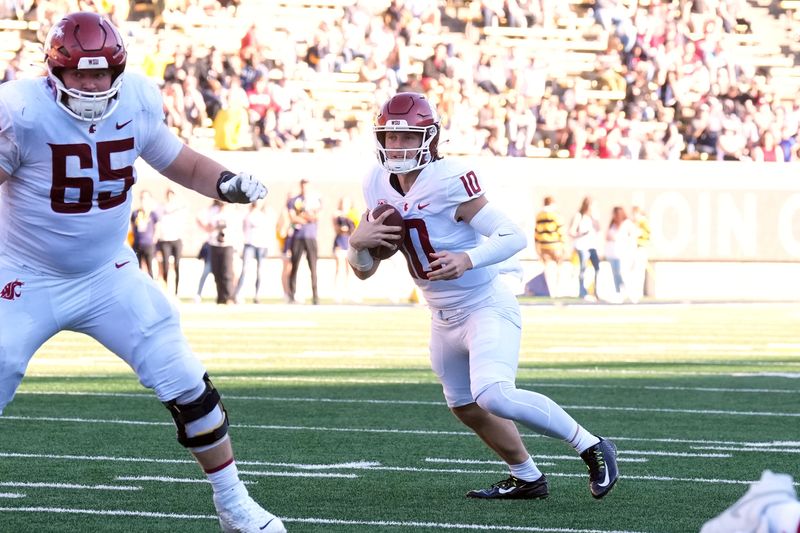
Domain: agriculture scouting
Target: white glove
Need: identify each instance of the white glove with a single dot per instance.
(241, 188)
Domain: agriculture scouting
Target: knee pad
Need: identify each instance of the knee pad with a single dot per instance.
(495, 399)
(205, 406)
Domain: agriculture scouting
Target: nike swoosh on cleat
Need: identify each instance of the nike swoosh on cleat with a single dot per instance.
(265, 525)
(605, 481)
(120, 265)
(505, 491)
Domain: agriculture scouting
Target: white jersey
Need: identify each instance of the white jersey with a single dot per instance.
(429, 210)
(65, 210)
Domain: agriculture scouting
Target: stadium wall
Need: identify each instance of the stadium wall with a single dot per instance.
(719, 229)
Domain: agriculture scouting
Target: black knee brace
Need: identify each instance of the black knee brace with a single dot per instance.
(195, 410)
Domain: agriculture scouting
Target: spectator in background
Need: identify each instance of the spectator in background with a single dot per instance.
(171, 226)
(435, 68)
(549, 241)
(232, 122)
(584, 230)
(284, 234)
(641, 256)
(303, 214)
(257, 227)
(194, 107)
(220, 225)
(620, 249)
(767, 150)
(344, 223)
(144, 220)
(204, 253)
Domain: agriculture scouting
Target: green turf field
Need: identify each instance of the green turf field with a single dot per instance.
(340, 426)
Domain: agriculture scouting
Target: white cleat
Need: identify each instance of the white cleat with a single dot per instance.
(246, 516)
(770, 505)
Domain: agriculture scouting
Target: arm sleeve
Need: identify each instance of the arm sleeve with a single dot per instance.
(504, 237)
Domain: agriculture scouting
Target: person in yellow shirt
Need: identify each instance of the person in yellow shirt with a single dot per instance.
(641, 255)
(232, 123)
(549, 240)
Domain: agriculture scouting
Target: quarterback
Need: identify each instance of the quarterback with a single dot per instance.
(68, 142)
(453, 241)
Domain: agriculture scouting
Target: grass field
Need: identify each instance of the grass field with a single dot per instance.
(340, 425)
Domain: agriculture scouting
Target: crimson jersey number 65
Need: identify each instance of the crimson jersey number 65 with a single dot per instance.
(85, 185)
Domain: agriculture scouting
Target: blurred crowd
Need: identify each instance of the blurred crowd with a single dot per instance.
(669, 85)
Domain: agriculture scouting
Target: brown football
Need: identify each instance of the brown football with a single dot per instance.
(394, 219)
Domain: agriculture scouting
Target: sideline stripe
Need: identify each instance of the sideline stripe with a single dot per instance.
(373, 523)
(11, 495)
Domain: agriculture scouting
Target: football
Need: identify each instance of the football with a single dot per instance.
(394, 219)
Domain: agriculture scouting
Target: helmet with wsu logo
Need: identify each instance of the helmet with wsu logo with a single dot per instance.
(85, 41)
(405, 112)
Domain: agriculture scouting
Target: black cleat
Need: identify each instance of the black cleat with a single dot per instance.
(514, 488)
(601, 460)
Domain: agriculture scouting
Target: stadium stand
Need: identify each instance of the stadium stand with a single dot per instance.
(585, 78)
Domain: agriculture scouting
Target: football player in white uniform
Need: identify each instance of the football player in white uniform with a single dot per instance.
(68, 142)
(453, 241)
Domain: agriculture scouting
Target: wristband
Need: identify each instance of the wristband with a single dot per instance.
(224, 176)
(360, 260)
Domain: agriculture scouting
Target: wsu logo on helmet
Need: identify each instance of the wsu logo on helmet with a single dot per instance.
(12, 290)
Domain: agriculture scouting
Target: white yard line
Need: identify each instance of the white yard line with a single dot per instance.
(417, 402)
(748, 449)
(70, 486)
(12, 495)
(365, 465)
(311, 520)
(272, 473)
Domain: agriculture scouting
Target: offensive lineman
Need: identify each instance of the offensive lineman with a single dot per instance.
(475, 330)
(68, 142)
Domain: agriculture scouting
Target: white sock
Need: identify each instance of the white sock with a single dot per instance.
(582, 440)
(225, 481)
(526, 471)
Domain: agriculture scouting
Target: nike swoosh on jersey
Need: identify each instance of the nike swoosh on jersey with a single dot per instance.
(120, 126)
(423, 206)
(120, 265)
(504, 234)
